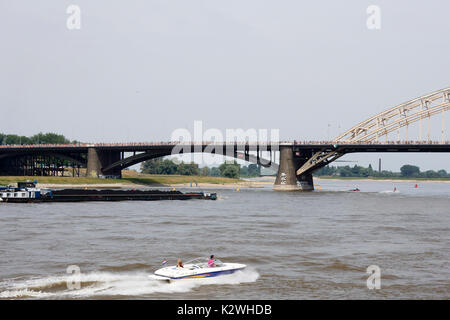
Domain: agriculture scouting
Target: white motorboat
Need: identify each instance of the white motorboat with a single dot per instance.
(196, 268)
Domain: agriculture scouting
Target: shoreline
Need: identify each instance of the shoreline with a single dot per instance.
(249, 183)
(231, 185)
(384, 179)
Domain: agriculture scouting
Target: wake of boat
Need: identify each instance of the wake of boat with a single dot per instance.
(112, 284)
(390, 191)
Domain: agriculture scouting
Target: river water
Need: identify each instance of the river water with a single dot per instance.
(314, 245)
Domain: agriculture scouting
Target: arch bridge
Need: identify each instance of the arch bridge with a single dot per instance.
(297, 164)
(297, 159)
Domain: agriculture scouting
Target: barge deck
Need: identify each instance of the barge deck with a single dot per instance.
(27, 192)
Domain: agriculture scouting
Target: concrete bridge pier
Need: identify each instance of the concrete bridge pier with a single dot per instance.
(287, 179)
(99, 159)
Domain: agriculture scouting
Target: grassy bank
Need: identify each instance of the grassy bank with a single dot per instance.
(128, 178)
(383, 178)
(178, 179)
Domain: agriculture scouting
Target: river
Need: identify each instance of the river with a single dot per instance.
(313, 245)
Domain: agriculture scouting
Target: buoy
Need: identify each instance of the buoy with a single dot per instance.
(416, 186)
(237, 188)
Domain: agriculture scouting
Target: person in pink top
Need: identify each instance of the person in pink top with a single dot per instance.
(211, 263)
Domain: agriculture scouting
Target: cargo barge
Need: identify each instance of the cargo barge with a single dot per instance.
(27, 192)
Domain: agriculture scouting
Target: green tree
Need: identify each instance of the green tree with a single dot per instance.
(48, 138)
(205, 171)
(167, 167)
(151, 166)
(214, 172)
(254, 170)
(188, 169)
(244, 171)
(359, 171)
(431, 174)
(159, 166)
(345, 171)
(229, 170)
(40, 138)
(326, 171)
(442, 173)
(408, 170)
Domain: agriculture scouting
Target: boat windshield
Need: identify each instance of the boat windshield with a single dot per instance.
(202, 262)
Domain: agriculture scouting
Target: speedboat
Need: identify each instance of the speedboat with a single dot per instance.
(196, 268)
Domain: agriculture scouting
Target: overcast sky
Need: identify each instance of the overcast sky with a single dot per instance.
(138, 70)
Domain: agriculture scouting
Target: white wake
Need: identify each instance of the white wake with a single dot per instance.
(112, 284)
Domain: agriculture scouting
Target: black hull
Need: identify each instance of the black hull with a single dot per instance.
(74, 195)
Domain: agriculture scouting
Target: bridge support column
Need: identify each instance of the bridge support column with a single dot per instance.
(99, 159)
(287, 180)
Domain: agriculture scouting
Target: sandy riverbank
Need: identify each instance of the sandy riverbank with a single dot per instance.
(386, 180)
(242, 185)
(85, 186)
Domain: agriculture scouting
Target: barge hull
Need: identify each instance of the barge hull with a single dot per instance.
(78, 195)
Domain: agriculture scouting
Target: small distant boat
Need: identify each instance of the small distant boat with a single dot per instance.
(356, 189)
(195, 269)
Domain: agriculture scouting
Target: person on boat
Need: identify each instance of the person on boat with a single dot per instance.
(180, 264)
(211, 262)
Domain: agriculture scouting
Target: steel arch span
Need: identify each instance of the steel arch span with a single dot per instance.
(398, 117)
(370, 130)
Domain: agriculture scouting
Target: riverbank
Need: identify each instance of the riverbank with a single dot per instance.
(391, 179)
(133, 180)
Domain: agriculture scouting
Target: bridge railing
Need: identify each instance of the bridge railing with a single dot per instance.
(250, 143)
(51, 145)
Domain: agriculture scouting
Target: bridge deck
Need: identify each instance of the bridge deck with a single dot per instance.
(413, 146)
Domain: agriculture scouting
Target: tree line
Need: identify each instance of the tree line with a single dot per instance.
(407, 170)
(40, 138)
(229, 170)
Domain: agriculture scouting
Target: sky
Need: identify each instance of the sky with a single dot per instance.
(139, 70)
